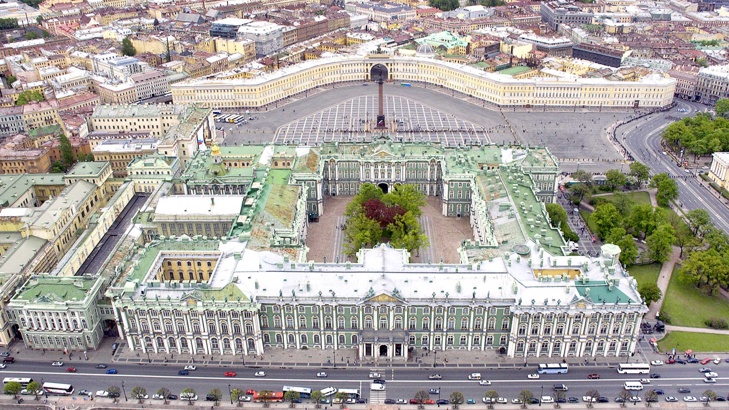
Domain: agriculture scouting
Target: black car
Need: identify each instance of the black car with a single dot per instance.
(655, 375)
(659, 391)
(113, 395)
(442, 401)
(680, 361)
(561, 401)
(361, 401)
(692, 360)
(101, 366)
(652, 399)
(533, 400)
(684, 390)
(619, 400)
(389, 401)
(378, 381)
(603, 400)
(720, 398)
(573, 400)
(171, 397)
(210, 397)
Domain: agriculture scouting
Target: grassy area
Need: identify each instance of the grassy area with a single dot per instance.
(698, 342)
(645, 273)
(587, 216)
(638, 197)
(688, 306)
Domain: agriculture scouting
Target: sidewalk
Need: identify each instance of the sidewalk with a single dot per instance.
(664, 277)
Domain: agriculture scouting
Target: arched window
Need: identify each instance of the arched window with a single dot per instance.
(226, 344)
(355, 323)
(330, 340)
(266, 338)
(291, 338)
(315, 322)
(317, 340)
(398, 322)
(304, 339)
(279, 338)
(451, 323)
(214, 343)
(302, 322)
(411, 323)
(368, 322)
(355, 340)
(341, 340)
(223, 328)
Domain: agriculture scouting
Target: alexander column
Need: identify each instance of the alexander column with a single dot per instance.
(380, 102)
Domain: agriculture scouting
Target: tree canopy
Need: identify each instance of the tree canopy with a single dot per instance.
(667, 189)
(27, 97)
(700, 134)
(128, 48)
(445, 5)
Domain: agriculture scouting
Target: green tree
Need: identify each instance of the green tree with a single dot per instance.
(639, 172)
(579, 192)
(629, 250)
(706, 268)
(623, 203)
(292, 396)
(625, 395)
(421, 396)
(722, 106)
(642, 220)
(525, 396)
(216, 395)
(66, 151)
(606, 217)
(593, 395)
(702, 62)
(582, 176)
(445, 5)
(698, 219)
(114, 392)
(667, 190)
(558, 218)
(32, 35)
(650, 292)
(559, 396)
(10, 79)
(659, 244)
(615, 179)
(341, 397)
(650, 397)
(30, 96)
(317, 397)
(164, 392)
(189, 394)
(407, 196)
(710, 395)
(34, 388)
(13, 388)
(491, 397)
(8, 23)
(366, 192)
(58, 167)
(361, 232)
(456, 399)
(128, 48)
(139, 393)
(406, 234)
(237, 395)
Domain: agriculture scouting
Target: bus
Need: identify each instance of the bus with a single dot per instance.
(633, 386)
(634, 368)
(553, 368)
(304, 392)
(351, 393)
(58, 389)
(217, 112)
(273, 397)
(24, 381)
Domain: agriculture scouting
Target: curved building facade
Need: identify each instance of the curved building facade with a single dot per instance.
(650, 91)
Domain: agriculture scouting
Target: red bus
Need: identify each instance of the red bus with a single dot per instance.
(274, 397)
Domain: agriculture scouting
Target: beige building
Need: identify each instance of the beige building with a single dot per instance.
(210, 216)
(653, 90)
(41, 114)
(120, 152)
(720, 169)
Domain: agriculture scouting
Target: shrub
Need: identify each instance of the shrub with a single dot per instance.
(716, 323)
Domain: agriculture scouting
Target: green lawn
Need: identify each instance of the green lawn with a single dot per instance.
(638, 197)
(645, 273)
(688, 306)
(587, 216)
(698, 342)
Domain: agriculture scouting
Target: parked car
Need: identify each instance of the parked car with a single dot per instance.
(102, 393)
(670, 361)
(442, 402)
(692, 360)
(190, 367)
(573, 400)
(717, 361)
(533, 400)
(684, 390)
(689, 398)
(502, 400)
(183, 372)
(101, 366)
(5, 354)
(188, 397)
(659, 391)
(671, 399)
(80, 392)
(3, 365)
(71, 369)
(603, 399)
(157, 397)
(229, 374)
(401, 401)
(681, 361)
(470, 401)
(171, 397)
(705, 361)
(711, 374)
(414, 401)
(593, 376)
(389, 401)
(57, 364)
(111, 371)
(435, 376)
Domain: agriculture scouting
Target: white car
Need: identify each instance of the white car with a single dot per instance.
(636, 399)
(671, 399)
(321, 374)
(484, 383)
(709, 375)
(190, 367)
(645, 381)
(102, 393)
(717, 361)
(533, 376)
(142, 397)
(57, 364)
(704, 370)
(260, 374)
(157, 397)
(188, 397)
(502, 400)
(547, 399)
(588, 399)
(709, 380)
(689, 398)
(3, 365)
(657, 363)
(516, 401)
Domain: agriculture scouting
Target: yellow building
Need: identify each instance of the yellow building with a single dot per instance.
(245, 47)
(720, 169)
(654, 90)
(41, 114)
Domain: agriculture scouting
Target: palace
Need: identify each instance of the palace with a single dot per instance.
(517, 288)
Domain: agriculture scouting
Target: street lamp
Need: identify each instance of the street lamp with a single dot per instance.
(540, 397)
(335, 357)
(230, 393)
(435, 358)
(125, 391)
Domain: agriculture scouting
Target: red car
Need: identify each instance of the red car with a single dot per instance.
(414, 401)
(593, 376)
(670, 361)
(707, 360)
(250, 392)
(229, 374)
(429, 401)
(71, 370)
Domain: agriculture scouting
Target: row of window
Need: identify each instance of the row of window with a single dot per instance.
(383, 310)
(303, 323)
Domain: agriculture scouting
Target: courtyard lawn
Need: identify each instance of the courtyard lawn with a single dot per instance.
(688, 306)
(637, 197)
(698, 342)
(645, 273)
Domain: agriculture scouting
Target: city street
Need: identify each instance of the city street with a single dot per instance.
(401, 383)
(643, 139)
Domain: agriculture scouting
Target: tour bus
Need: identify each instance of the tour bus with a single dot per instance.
(351, 393)
(633, 386)
(634, 368)
(24, 381)
(273, 397)
(58, 388)
(553, 368)
(304, 392)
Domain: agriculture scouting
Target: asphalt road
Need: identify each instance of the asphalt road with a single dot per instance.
(643, 139)
(401, 383)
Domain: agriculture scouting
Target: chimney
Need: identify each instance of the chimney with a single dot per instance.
(212, 201)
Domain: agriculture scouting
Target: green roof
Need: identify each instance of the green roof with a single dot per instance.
(515, 70)
(87, 169)
(56, 288)
(14, 186)
(601, 292)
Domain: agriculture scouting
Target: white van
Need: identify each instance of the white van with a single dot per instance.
(474, 376)
(377, 386)
(633, 386)
(328, 391)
